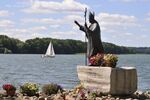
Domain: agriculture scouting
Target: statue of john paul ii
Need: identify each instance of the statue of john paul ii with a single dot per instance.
(93, 34)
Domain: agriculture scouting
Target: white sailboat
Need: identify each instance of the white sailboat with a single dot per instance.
(50, 51)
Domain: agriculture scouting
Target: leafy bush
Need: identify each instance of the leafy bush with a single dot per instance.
(29, 89)
(51, 88)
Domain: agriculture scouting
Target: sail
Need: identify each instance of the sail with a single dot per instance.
(50, 50)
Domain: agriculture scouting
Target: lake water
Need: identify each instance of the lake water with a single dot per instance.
(20, 68)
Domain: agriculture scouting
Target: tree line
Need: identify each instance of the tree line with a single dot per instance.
(61, 46)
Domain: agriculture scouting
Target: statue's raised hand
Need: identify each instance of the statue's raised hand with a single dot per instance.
(77, 23)
(80, 26)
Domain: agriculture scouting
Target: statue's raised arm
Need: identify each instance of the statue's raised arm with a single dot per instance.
(82, 28)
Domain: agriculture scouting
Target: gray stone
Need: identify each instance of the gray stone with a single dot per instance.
(41, 98)
(3, 92)
(116, 81)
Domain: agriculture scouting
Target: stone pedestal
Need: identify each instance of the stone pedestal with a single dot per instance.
(115, 81)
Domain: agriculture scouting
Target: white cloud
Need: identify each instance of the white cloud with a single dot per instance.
(111, 22)
(39, 35)
(128, 39)
(19, 35)
(4, 13)
(15, 30)
(6, 23)
(121, 29)
(24, 33)
(27, 30)
(67, 35)
(42, 20)
(71, 18)
(55, 7)
(148, 18)
(54, 23)
(38, 28)
(54, 26)
(128, 0)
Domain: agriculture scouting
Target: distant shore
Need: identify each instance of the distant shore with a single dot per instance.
(61, 46)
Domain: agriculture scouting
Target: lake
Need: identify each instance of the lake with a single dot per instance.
(20, 68)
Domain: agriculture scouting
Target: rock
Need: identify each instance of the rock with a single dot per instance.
(69, 97)
(117, 98)
(26, 98)
(58, 97)
(41, 98)
(49, 98)
(138, 95)
(129, 99)
(113, 98)
(29, 98)
(9, 98)
(147, 94)
(115, 81)
(3, 92)
(34, 98)
(98, 98)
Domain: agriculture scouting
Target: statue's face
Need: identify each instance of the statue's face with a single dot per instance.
(91, 19)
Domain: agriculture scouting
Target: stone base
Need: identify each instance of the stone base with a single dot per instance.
(115, 81)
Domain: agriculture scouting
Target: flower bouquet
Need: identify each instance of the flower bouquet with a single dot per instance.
(10, 89)
(109, 60)
(96, 60)
(29, 89)
(51, 88)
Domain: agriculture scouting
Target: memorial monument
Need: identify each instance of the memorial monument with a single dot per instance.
(94, 44)
(101, 74)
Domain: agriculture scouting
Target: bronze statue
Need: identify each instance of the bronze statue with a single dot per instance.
(92, 32)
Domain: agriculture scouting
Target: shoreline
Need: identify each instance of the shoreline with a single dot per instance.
(76, 94)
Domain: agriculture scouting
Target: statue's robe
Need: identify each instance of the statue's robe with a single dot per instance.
(93, 34)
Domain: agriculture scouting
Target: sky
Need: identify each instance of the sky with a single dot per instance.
(122, 22)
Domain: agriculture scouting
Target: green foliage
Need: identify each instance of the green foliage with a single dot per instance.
(29, 89)
(6, 51)
(68, 46)
(114, 49)
(94, 95)
(49, 89)
(10, 45)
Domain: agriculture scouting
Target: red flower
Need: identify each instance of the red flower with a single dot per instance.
(96, 59)
(82, 94)
(9, 87)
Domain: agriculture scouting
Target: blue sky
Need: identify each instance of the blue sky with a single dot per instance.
(123, 22)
